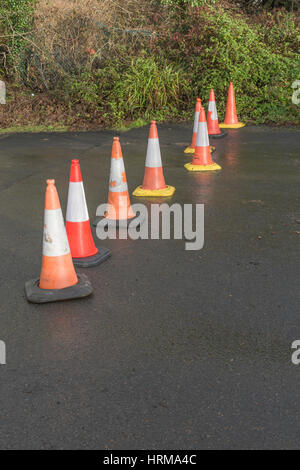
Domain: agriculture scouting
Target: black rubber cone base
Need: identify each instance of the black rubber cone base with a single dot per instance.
(122, 223)
(218, 136)
(41, 296)
(90, 261)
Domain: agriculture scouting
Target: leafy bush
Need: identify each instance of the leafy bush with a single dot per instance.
(149, 88)
(262, 61)
(16, 20)
(17, 15)
(143, 87)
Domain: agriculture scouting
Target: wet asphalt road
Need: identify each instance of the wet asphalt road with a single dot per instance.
(175, 349)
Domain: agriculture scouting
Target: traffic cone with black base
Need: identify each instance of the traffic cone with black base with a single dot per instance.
(83, 249)
(231, 120)
(213, 128)
(119, 211)
(154, 182)
(58, 279)
(202, 160)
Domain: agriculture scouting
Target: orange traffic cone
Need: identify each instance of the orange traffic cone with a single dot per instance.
(191, 148)
(202, 160)
(58, 279)
(154, 182)
(231, 120)
(212, 118)
(119, 210)
(83, 249)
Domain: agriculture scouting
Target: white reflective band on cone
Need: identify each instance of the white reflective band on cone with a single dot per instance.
(55, 240)
(202, 135)
(212, 107)
(153, 157)
(77, 209)
(116, 170)
(196, 121)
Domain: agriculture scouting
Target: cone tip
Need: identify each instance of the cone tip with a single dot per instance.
(116, 151)
(153, 131)
(75, 161)
(198, 100)
(50, 182)
(202, 117)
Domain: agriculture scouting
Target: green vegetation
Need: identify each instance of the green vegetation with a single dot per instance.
(16, 21)
(31, 129)
(143, 86)
(17, 15)
(92, 63)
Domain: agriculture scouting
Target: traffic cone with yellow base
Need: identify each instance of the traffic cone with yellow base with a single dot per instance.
(213, 128)
(58, 279)
(202, 160)
(231, 120)
(154, 182)
(84, 252)
(191, 148)
(119, 211)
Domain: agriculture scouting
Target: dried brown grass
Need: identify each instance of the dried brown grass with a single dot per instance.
(111, 12)
(75, 35)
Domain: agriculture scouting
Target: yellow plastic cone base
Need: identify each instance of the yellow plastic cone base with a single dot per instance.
(191, 167)
(168, 191)
(191, 150)
(232, 126)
